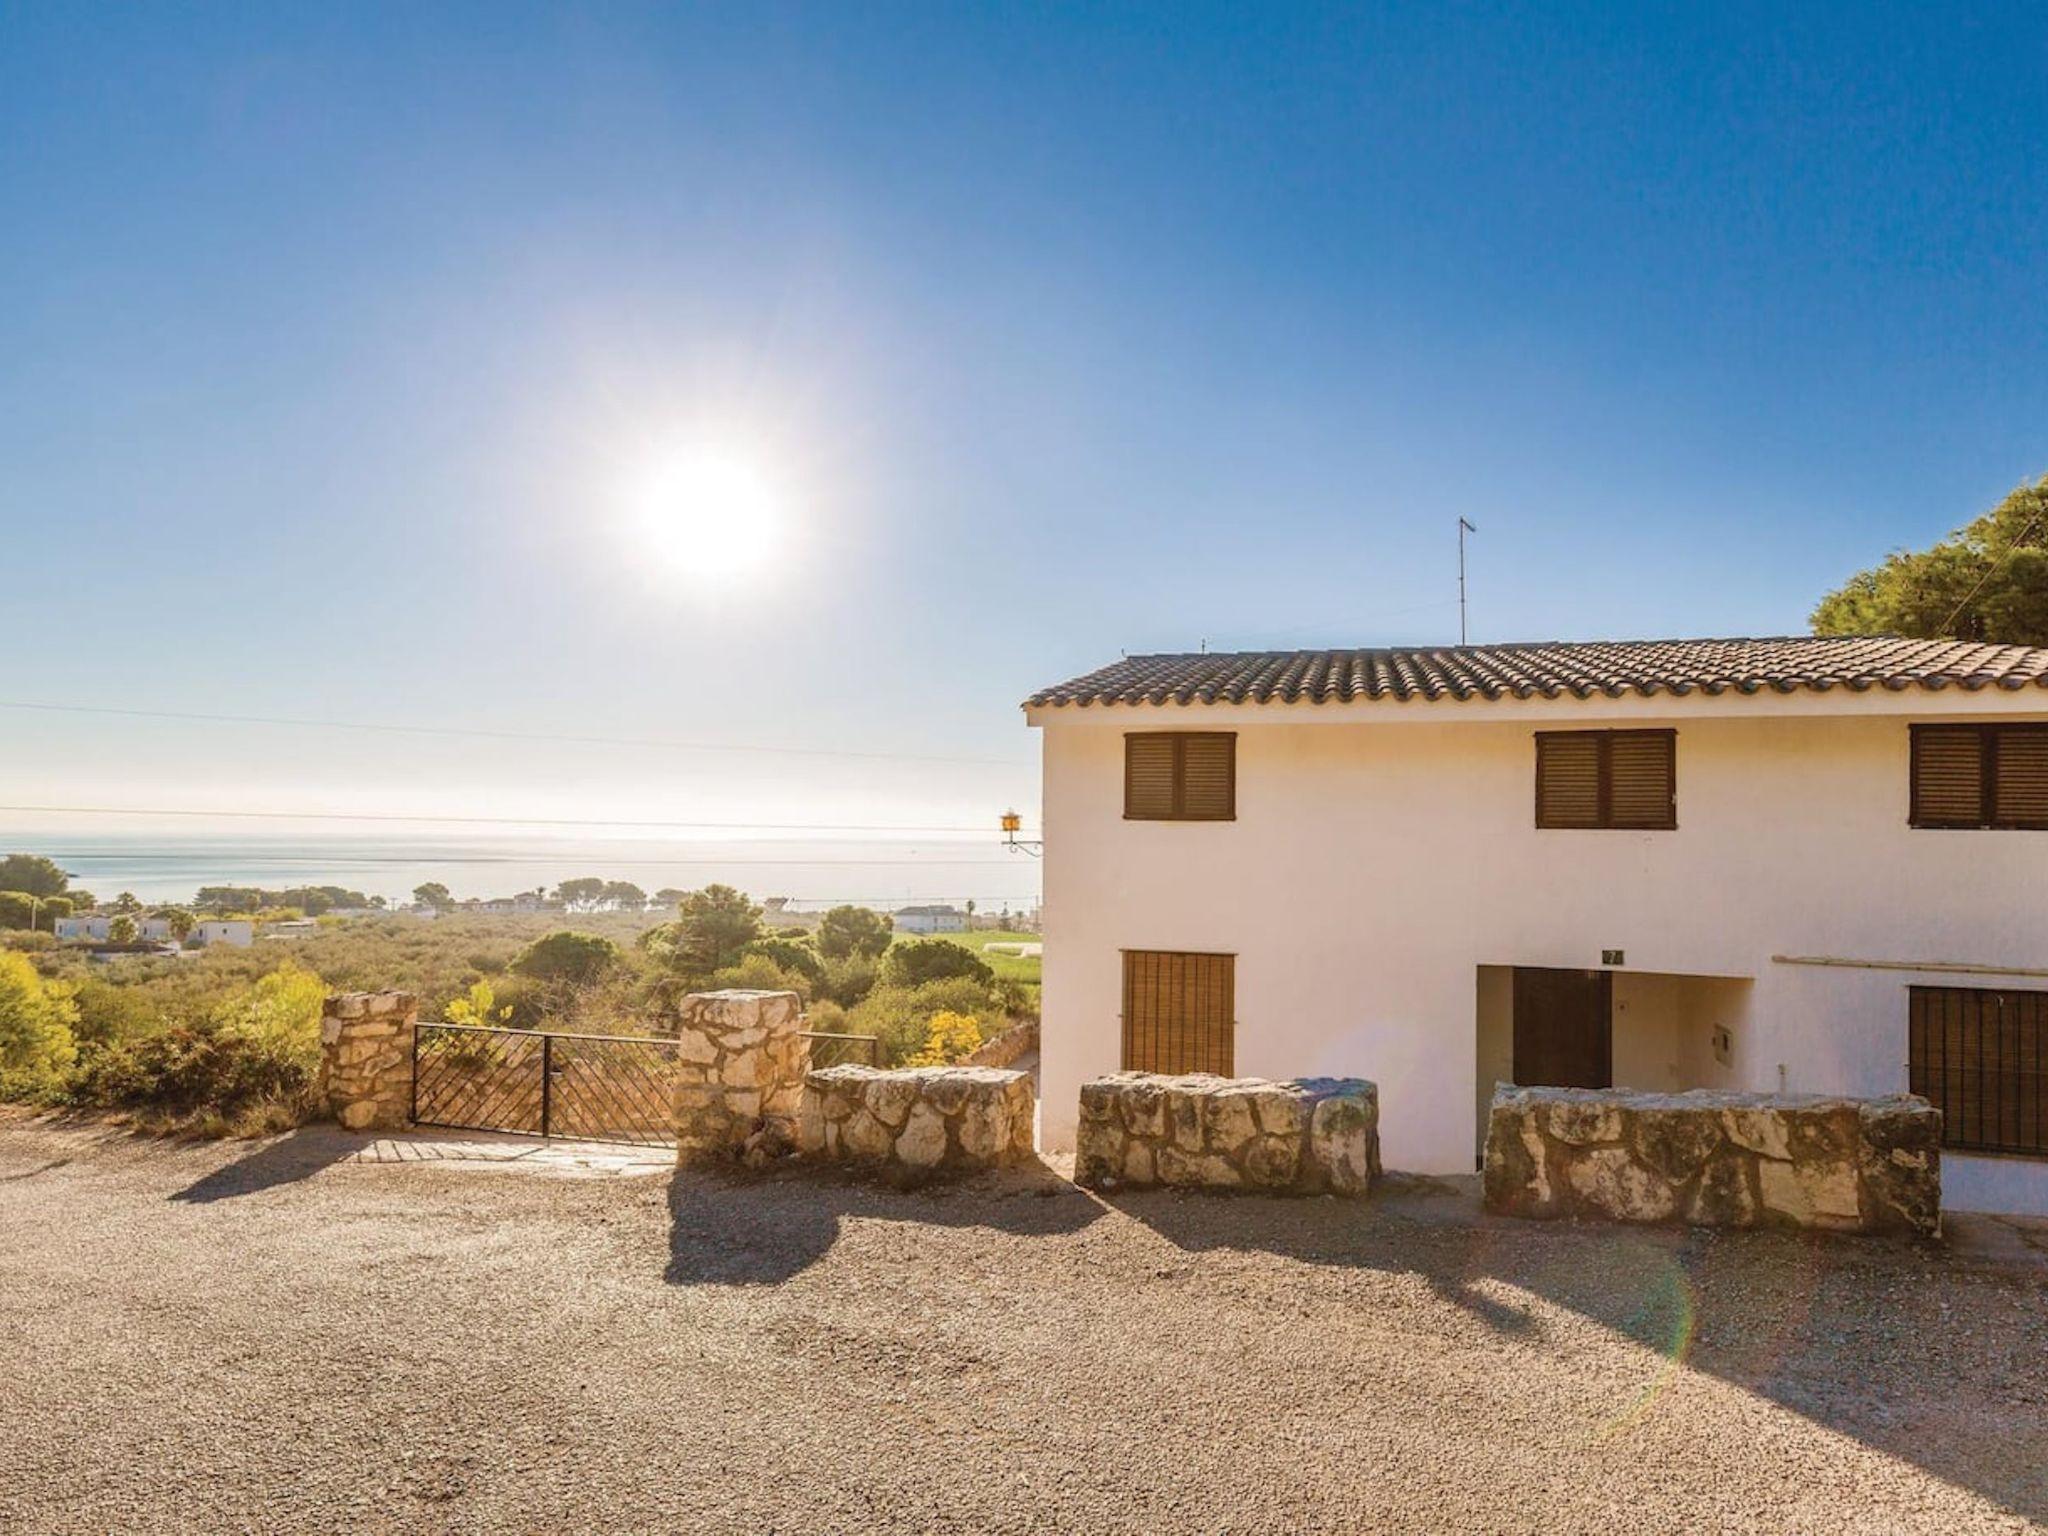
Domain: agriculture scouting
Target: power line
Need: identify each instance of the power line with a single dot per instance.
(498, 821)
(485, 734)
(1991, 570)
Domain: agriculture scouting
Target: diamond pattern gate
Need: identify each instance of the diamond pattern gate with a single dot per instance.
(539, 1083)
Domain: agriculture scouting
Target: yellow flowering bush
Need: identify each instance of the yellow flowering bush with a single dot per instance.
(950, 1036)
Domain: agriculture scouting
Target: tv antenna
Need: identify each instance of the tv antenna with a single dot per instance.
(1463, 529)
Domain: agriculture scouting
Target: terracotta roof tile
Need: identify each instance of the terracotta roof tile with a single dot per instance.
(1554, 669)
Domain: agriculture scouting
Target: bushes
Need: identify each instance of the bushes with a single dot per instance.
(215, 1076)
(280, 1012)
(37, 1047)
(574, 958)
(848, 980)
(916, 961)
(848, 931)
(758, 973)
(950, 1037)
(791, 954)
(902, 1016)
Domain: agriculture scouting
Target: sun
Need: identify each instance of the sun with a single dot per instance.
(710, 515)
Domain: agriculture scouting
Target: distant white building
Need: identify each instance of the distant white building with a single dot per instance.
(236, 932)
(291, 928)
(930, 920)
(98, 928)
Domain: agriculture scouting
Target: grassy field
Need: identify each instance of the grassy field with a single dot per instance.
(1025, 968)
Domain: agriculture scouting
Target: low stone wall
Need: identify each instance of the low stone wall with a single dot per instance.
(1018, 1040)
(739, 1072)
(366, 1058)
(947, 1118)
(1715, 1159)
(1306, 1136)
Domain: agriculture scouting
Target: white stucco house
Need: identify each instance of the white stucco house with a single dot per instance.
(98, 927)
(934, 919)
(1808, 864)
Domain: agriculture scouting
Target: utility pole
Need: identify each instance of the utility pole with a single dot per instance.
(1463, 529)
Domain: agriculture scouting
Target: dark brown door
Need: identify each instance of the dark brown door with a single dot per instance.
(1563, 1028)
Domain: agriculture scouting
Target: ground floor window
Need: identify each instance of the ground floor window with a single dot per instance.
(1180, 1012)
(1980, 1056)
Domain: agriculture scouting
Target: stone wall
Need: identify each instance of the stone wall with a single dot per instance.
(366, 1058)
(1307, 1136)
(1715, 1159)
(1003, 1049)
(739, 1071)
(947, 1118)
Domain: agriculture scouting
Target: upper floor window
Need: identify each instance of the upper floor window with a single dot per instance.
(1180, 776)
(1980, 776)
(1610, 779)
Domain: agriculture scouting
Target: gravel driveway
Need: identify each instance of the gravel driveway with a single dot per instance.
(265, 1337)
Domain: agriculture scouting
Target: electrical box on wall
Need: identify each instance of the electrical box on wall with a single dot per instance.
(1724, 1045)
(1612, 957)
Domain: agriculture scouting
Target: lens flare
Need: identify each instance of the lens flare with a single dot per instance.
(708, 515)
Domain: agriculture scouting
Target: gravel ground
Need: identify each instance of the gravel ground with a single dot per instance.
(267, 1337)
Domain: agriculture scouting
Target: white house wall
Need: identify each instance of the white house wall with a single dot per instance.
(1377, 863)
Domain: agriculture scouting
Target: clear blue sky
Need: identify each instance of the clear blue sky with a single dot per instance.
(325, 332)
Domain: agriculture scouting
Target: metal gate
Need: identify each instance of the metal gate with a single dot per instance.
(535, 1083)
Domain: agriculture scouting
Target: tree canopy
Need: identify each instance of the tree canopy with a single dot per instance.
(580, 894)
(852, 931)
(713, 926)
(566, 956)
(917, 961)
(1986, 581)
(33, 874)
(434, 894)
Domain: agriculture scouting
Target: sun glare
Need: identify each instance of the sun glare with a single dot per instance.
(709, 515)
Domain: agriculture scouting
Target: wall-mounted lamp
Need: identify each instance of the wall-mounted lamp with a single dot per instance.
(1012, 825)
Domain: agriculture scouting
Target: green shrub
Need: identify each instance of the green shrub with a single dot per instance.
(567, 956)
(280, 1012)
(848, 980)
(826, 1017)
(847, 931)
(902, 1016)
(914, 962)
(205, 1072)
(792, 954)
(37, 1047)
(758, 973)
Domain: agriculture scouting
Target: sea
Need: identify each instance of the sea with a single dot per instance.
(810, 873)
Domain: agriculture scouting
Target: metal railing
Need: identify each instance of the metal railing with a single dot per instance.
(831, 1050)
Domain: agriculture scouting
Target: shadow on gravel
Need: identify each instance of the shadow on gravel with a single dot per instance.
(1856, 1334)
(29, 1173)
(290, 1158)
(728, 1229)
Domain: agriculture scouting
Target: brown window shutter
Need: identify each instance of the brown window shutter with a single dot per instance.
(1180, 776)
(1641, 779)
(1149, 776)
(1208, 777)
(1948, 776)
(1567, 779)
(1179, 1012)
(2019, 796)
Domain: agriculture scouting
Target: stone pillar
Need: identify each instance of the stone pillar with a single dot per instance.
(366, 1058)
(740, 1070)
